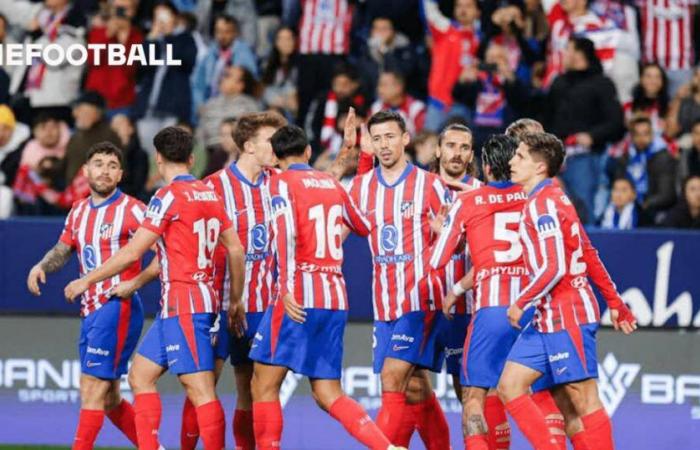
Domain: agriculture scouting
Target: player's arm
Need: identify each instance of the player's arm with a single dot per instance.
(52, 261)
(353, 218)
(621, 316)
(143, 239)
(126, 289)
(235, 254)
(459, 289)
(550, 241)
(449, 237)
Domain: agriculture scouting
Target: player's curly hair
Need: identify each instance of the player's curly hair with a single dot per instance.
(545, 147)
(174, 144)
(497, 153)
(105, 148)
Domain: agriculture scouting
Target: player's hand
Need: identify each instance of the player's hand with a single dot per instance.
(350, 130)
(293, 309)
(125, 289)
(448, 303)
(623, 319)
(366, 141)
(514, 315)
(439, 219)
(236, 319)
(74, 289)
(36, 275)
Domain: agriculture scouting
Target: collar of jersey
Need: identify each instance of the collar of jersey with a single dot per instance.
(466, 178)
(501, 184)
(238, 174)
(113, 198)
(299, 166)
(406, 171)
(540, 186)
(185, 177)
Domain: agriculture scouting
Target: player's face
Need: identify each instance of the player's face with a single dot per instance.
(455, 152)
(103, 173)
(522, 166)
(262, 147)
(389, 143)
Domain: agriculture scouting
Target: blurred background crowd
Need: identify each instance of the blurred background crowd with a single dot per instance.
(617, 81)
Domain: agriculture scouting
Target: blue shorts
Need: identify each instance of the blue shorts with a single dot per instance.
(489, 339)
(417, 337)
(313, 348)
(454, 346)
(222, 346)
(182, 344)
(108, 337)
(562, 357)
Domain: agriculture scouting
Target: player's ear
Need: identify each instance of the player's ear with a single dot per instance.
(84, 168)
(405, 138)
(190, 160)
(307, 153)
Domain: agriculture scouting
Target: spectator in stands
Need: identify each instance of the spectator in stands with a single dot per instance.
(623, 212)
(226, 152)
(330, 153)
(324, 41)
(91, 127)
(269, 13)
(582, 110)
(345, 87)
(492, 91)
(650, 167)
(164, 95)
(13, 134)
(50, 139)
(135, 158)
(686, 213)
(391, 93)
(116, 83)
(650, 97)
(454, 47)
(236, 96)
(672, 49)
(6, 70)
(684, 110)
(226, 50)
(281, 74)
(423, 149)
(689, 158)
(53, 89)
(385, 50)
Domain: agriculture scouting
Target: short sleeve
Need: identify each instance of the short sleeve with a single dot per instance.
(160, 212)
(67, 233)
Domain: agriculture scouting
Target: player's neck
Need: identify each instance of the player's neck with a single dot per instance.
(97, 198)
(393, 173)
(532, 183)
(170, 171)
(249, 168)
(286, 162)
(449, 178)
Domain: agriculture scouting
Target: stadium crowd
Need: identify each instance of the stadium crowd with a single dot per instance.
(616, 81)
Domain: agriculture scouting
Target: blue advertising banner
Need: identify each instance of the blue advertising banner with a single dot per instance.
(656, 271)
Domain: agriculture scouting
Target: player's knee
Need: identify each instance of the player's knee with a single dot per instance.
(392, 381)
(508, 389)
(92, 391)
(474, 401)
(263, 389)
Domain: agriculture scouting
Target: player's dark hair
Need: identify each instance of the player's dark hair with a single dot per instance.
(547, 148)
(522, 126)
(497, 153)
(174, 144)
(386, 116)
(290, 140)
(249, 124)
(453, 127)
(105, 148)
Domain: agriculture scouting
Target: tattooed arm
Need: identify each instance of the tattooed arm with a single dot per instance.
(54, 260)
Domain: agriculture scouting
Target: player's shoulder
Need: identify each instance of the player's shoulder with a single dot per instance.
(214, 180)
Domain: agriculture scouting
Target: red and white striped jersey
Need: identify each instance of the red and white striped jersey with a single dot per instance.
(189, 217)
(488, 217)
(97, 233)
(412, 111)
(603, 32)
(247, 205)
(325, 27)
(667, 32)
(401, 239)
(309, 209)
(560, 258)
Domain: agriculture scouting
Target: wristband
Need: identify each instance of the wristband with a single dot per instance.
(458, 290)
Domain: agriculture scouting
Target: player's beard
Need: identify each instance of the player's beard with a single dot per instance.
(104, 188)
(450, 169)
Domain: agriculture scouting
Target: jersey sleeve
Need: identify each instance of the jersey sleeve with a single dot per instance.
(161, 211)
(67, 233)
(136, 215)
(352, 216)
(284, 231)
(450, 236)
(365, 163)
(545, 233)
(226, 221)
(598, 274)
(439, 196)
(354, 190)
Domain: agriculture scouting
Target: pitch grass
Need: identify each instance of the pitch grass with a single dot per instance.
(50, 447)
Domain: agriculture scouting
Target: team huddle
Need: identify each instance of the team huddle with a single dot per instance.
(490, 278)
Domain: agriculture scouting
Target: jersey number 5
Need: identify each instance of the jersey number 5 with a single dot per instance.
(328, 229)
(502, 233)
(208, 235)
